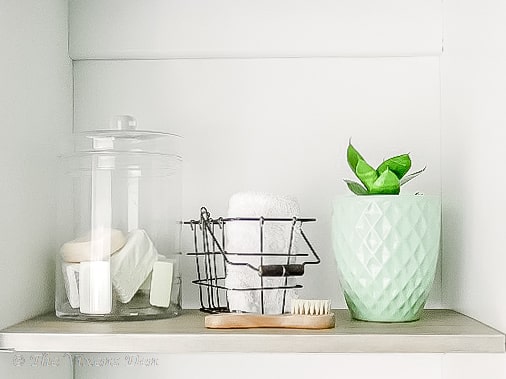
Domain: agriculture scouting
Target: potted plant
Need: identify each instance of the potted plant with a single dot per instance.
(386, 244)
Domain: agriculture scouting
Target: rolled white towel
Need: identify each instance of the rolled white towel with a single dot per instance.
(244, 237)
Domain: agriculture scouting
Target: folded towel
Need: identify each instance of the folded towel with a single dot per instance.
(244, 237)
(131, 265)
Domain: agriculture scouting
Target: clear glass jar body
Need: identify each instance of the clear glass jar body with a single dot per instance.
(120, 218)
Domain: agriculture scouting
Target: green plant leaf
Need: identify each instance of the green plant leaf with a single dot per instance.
(355, 187)
(387, 184)
(390, 175)
(411, 176)
(366, 173)
(399, 165)
(353, 156)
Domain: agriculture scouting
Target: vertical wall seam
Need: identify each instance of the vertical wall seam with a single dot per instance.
(441, 168)
(441, 247)
(72, 71)
(73, 121)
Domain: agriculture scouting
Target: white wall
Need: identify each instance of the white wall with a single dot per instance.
(35, 109)
(314, 103)
(117, 29)
(263, 119)
(474, 93)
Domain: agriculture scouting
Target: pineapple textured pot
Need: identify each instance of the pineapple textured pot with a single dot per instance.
(386, 248)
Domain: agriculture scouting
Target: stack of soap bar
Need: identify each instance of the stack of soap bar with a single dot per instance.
(89, 284)
(86, 270)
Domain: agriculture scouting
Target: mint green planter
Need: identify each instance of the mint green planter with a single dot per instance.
(386, 249)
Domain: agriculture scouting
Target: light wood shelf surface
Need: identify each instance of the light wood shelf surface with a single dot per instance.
(438, 331)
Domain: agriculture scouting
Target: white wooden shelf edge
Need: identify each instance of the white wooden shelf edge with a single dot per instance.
(438, 331)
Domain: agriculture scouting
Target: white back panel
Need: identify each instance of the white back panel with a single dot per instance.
(275, 125)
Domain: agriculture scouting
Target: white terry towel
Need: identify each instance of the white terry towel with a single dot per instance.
(244, 237)
(131, 265)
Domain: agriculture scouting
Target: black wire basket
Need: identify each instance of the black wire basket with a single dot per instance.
(271, 271)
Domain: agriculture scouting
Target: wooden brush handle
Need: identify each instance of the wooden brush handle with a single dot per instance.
(249, 320)
(281, 270)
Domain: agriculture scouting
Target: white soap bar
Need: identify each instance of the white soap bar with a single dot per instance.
(95, 291)
(131, 265)
(161, 284)
(71, 281)
(84, 249)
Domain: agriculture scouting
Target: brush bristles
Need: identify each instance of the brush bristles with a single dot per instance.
(310, 307)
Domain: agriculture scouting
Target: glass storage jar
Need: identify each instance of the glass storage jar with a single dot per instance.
(119, 216)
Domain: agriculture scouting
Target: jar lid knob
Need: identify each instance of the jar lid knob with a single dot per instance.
(123, 122)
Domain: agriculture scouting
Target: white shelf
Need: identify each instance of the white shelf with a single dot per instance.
(439, 331)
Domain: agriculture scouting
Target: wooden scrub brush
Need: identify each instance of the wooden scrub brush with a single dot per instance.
(305, 314)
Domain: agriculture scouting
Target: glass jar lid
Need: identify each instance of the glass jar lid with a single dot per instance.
(123, 136)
